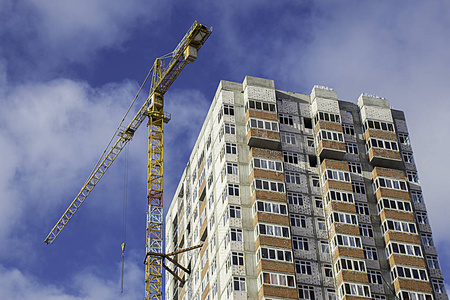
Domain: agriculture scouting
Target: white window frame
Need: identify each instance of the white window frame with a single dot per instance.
(294, 198)
(287, 138)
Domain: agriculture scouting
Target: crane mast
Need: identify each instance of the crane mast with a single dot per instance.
(164, 72)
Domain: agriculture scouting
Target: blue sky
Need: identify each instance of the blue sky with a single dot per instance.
(69, 69)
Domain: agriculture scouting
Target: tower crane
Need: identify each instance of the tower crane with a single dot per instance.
(163, 73)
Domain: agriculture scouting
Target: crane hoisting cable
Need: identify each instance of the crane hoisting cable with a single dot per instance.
(163, 73)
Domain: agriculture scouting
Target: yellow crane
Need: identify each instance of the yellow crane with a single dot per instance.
(163, 73)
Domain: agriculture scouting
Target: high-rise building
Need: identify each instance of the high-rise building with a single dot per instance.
(298, 196)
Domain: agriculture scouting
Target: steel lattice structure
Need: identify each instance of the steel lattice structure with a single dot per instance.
(165, 70)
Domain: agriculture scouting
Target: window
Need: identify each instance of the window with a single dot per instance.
(403, 138)
(339, 196)
(330, 135)
(328, 270)
(307, 122)
(204, 259)
(416, 197)
(219, 116)
(403, 248)
(276, 279)
(433, 262)
(211, 221)
(239, 284)
(315, 181)
(346, 241)
(370, 253)
(378, 297)
(422, 217)
(214, 290)
(321, 224)
(382, 144)
(348, 129)
(213, 243)
(394, 204)
(228, 109)
(202, 217)
(237, 258)
(294, 198)
(370, 124)
(274, 254)
(235, 211)
(330, 294)
(351, 148)
(298, 220)
(262, 124)
(345, 218)
(273, 230)
(358, 188)
(290, 157)
(336, 175)
(310, 142)
(230, 128)
(354, 289)
(324, 247)
(270, 207)
(233, 190)
(408, 272)
(408, 157)
(300, 243)
(350, 264)
(407, 295)
(318, 202)
(412, 176)
(374, 277)
(389, 183)
(232, 168)
(292, 177)
(439, 286)
(286, 119)
(269, 185)
(210, 181)
(209, 161)
(287, 138)
(236, 234)
(303, 267)
(355, 167)
(259, 105)
(267, 164)
(306, 292)
(211, 201)
(230, 148)
(362, 208)
(401, 226)
(329, 117)
(427, 239)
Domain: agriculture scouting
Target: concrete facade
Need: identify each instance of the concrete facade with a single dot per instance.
(298, 196)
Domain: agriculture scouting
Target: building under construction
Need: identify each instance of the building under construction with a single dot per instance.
(301, 196)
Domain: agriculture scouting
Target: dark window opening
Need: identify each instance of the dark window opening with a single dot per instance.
(312, 161)
(308, 123)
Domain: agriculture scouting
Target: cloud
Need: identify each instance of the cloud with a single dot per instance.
(52, 134)
(46, 37)
(84, 285)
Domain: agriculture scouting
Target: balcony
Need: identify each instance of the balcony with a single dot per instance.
(331, 149)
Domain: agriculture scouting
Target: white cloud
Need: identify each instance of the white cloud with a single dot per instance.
(52, 134)
(43, 38)
(84, 285)
(81, 27)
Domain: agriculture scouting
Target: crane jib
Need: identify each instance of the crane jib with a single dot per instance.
(163, 74)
